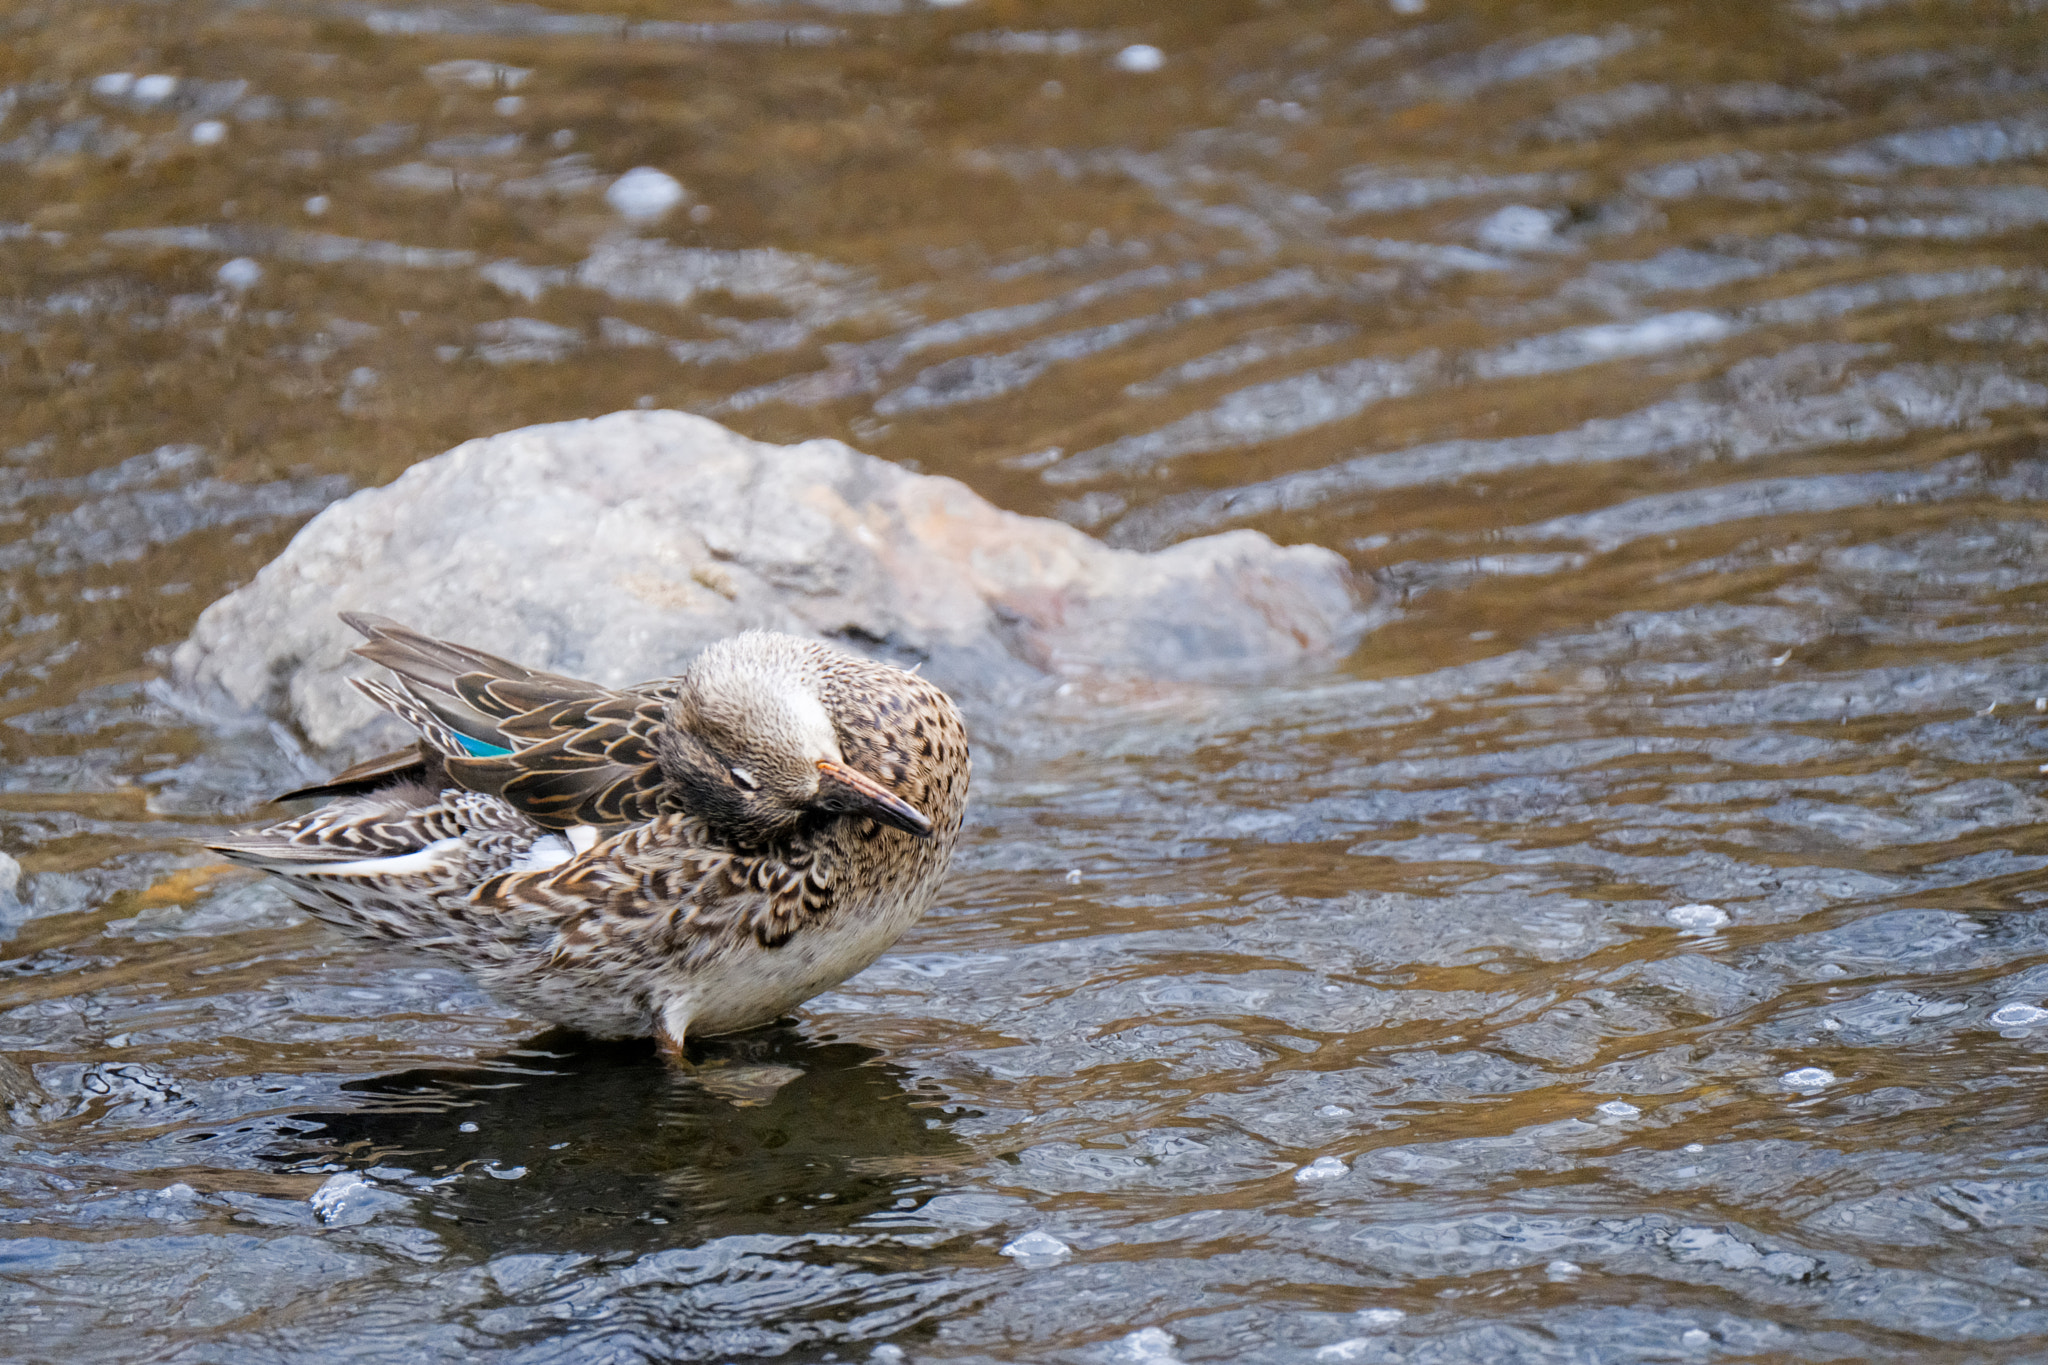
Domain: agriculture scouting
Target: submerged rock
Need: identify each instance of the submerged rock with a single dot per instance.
(614, 548)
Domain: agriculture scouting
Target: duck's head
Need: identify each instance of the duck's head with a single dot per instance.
(751, 748)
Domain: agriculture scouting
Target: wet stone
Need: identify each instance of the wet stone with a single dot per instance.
(814, 538)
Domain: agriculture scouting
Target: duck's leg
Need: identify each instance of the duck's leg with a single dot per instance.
(671, 1030)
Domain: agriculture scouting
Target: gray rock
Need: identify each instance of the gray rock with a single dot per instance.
(615, 548)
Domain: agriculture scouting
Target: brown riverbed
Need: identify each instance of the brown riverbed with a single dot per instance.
(1636, 951)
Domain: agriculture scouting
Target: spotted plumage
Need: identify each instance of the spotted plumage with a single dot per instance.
(695, 855)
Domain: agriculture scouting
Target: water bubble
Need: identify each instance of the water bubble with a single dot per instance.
(114, 85)
(1697, 918)
(1694, 1147)
(1518, 227)
(1809, 1078)
(1694, 1339)
(318, 205)
(210, 132)
(1563, 1272)
(1146, 1344)
(240, 273)
(1619, 1109)
(1334, 1111)
(562, 139)
(1073, 876)
(1038, 1247)
(507, 106)
(1354, 1348)
(2018, 1014)
(1322, 1168)
(467, 1128)
(887, 1354)
(153, 89)
(644, 193)
(347, 1200)
(1379, 1319)
(1141, 58)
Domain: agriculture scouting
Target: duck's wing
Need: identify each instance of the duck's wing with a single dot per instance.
(562, 751)
(467, 690)
(585, 762)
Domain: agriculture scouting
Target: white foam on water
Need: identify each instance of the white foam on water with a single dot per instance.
(1809, 1078)
(1697, 918)
(1141, 58)
(1519, 227)
(1037, 1246)
(1146, 1344)
(644, 193)
(153, 89)
(1322, 1168)
(239, 274)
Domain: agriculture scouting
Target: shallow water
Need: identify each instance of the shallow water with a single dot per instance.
(1635, 952)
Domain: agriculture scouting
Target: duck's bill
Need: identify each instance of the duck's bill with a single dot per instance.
(844, 789)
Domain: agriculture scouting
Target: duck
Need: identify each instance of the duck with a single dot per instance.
(679, 859)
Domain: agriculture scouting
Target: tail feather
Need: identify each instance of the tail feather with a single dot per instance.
(397, 820)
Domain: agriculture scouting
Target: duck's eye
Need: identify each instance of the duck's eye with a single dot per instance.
(745, 779)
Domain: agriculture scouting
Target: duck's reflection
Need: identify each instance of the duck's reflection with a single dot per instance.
(568, 1144)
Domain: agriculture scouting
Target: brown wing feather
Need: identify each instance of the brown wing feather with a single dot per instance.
(424, 659)
(602, 774)
(583, 754)
(414, 763)
(455, 681)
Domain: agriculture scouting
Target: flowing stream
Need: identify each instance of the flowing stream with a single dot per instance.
(1636, 950)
